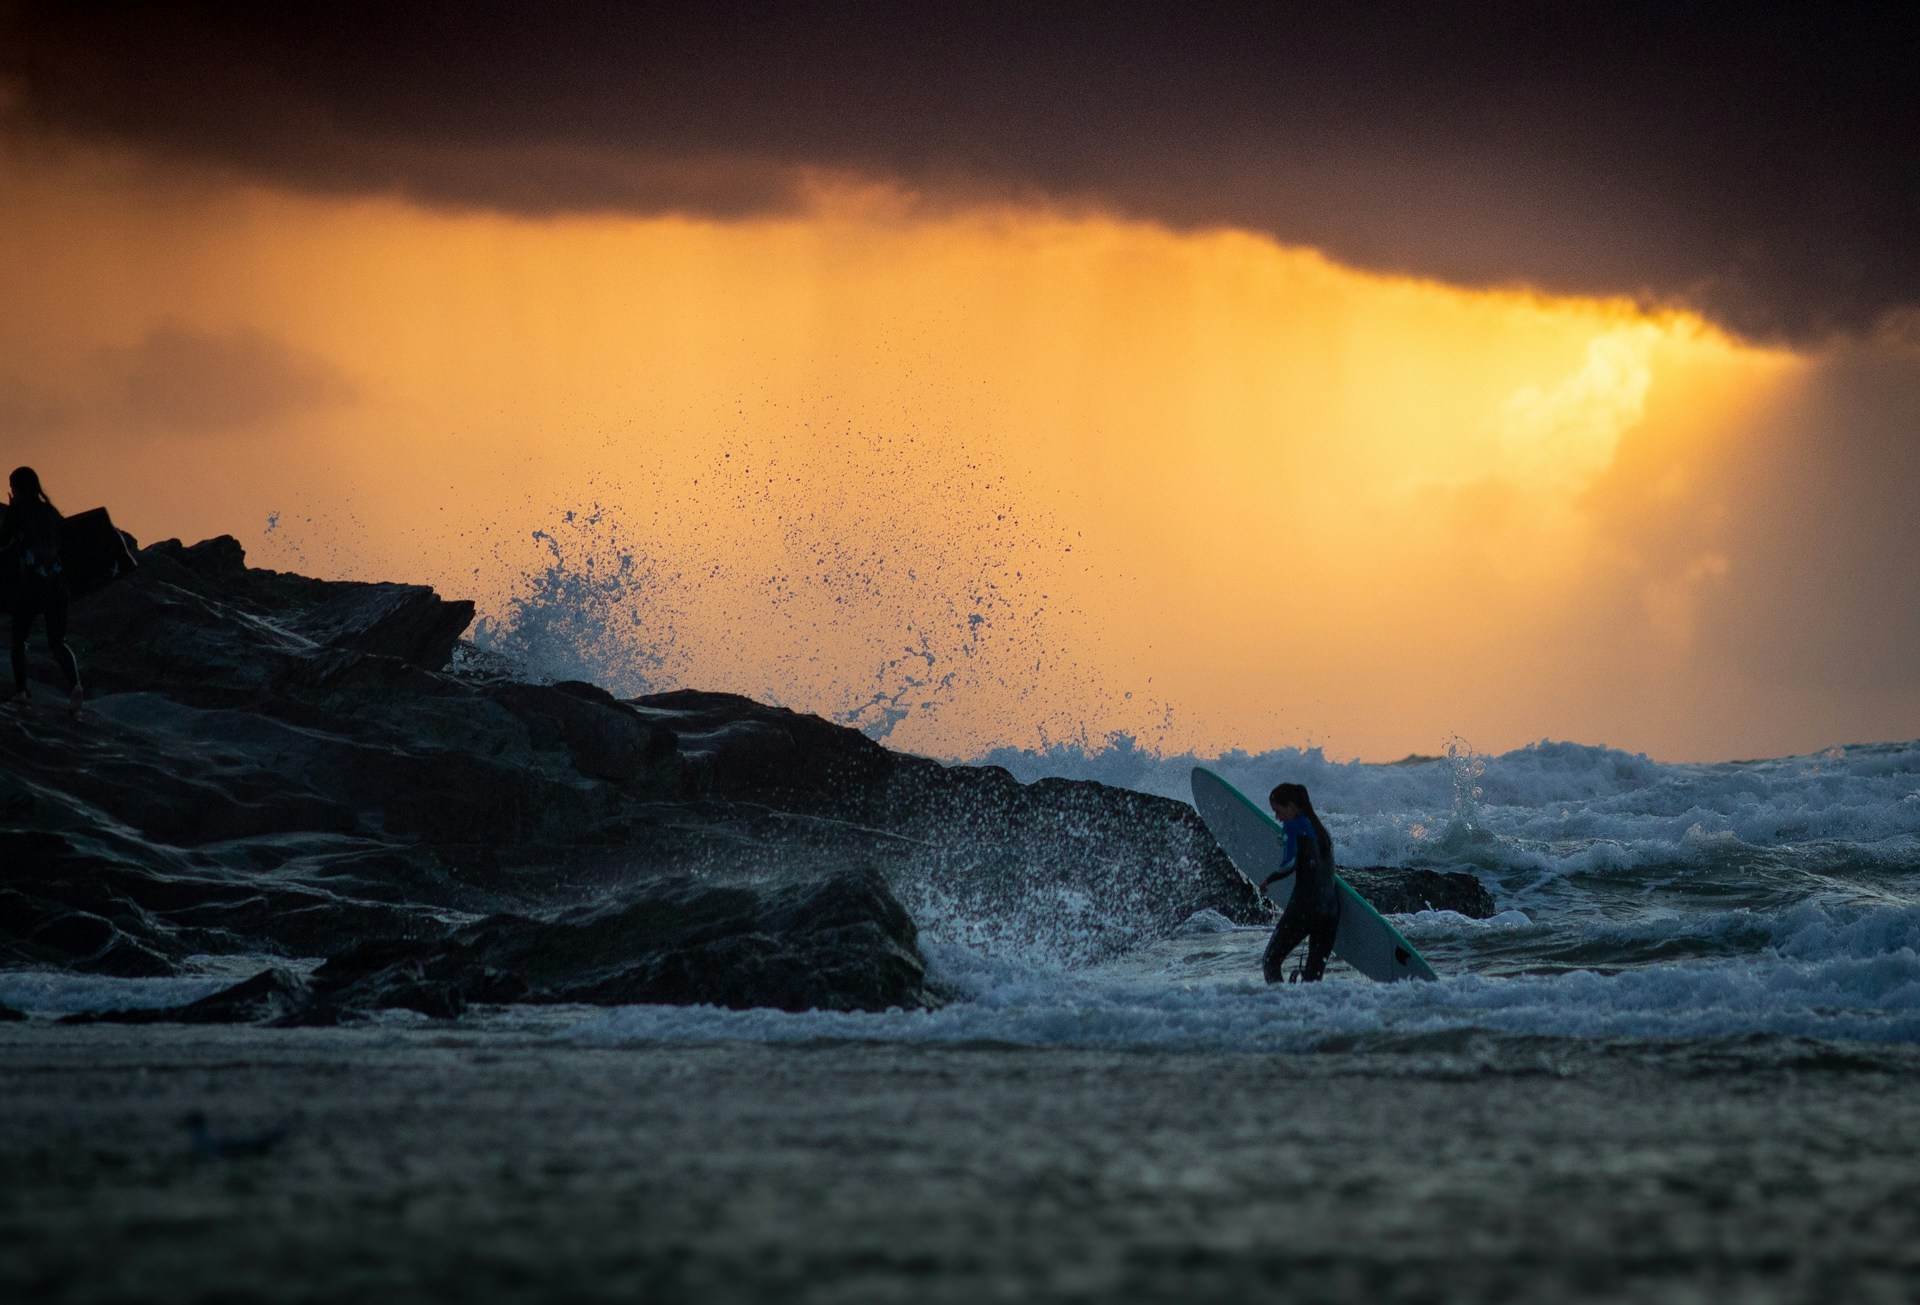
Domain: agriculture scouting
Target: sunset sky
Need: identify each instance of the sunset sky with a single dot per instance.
(1228, 378)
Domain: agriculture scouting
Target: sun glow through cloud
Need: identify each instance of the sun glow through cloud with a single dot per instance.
(973, 476)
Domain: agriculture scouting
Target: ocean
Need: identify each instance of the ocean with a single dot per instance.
(1638, 900)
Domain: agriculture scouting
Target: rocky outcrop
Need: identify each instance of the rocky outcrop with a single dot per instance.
(285, 766)
(602, 737)
(202, 627)
(1394, 891)
(837, 940)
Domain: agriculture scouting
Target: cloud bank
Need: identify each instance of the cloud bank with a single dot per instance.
(1755, 166)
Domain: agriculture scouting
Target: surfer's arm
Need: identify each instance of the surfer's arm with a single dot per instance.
(1289, 860)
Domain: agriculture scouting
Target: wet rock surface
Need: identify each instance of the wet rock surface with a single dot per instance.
(1393, 891)
(835, 941)
(284, 766)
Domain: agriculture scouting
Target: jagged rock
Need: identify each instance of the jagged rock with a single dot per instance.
(104, 906)
(89, 928)
(171, 789)
(736, 747)
(273, 996)
(603, 737)
(200, 625)
(1394, 891)
(408, 622)
(836, 941)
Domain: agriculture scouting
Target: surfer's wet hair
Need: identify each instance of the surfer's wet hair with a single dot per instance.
(1296, 795)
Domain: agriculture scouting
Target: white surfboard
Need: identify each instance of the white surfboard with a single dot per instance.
(1253, 841)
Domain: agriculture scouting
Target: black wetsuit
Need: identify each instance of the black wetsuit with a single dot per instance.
(1313, 912)
(30, 548)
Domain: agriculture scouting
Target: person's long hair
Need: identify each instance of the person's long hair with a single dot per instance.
(1296, 794)
(31, 517)
(27, 494)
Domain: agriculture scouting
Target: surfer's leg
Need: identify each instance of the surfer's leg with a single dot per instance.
(1286, 936)
(22, 615)
(1319, 947)
(55, 607)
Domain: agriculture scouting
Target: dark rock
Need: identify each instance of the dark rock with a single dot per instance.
(9, 1015)
(270, 997)
(133, 909)
(736, 747)
(169, 791)
(836, 941)
(91, 930)
(86, 942)
(407, 622)
(198, 624)
(603, 737)
(1393, 891)
(220, 561)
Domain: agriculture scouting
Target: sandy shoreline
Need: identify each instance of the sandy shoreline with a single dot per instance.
(493, 1163)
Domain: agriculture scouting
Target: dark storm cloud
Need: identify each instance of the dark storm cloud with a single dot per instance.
(1760, 164)
(176, 380)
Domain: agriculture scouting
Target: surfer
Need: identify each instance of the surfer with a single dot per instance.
(30, 549)
(1313, 911)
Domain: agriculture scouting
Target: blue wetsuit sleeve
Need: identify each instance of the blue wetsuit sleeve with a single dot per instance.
(1289, 856)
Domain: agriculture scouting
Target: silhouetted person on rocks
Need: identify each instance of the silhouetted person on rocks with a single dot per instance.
(1313, 912)
(30, 550)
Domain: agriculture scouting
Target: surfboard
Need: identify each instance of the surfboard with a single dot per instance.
(93, 554)
(1253, 840)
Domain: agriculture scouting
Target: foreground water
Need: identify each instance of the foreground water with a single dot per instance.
(1640, 900)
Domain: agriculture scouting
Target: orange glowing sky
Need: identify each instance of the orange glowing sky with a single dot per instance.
(991, 474)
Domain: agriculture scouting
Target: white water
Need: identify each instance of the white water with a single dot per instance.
(62, 992)
(1643, 900)
(1820, 978)
(1563, 807)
